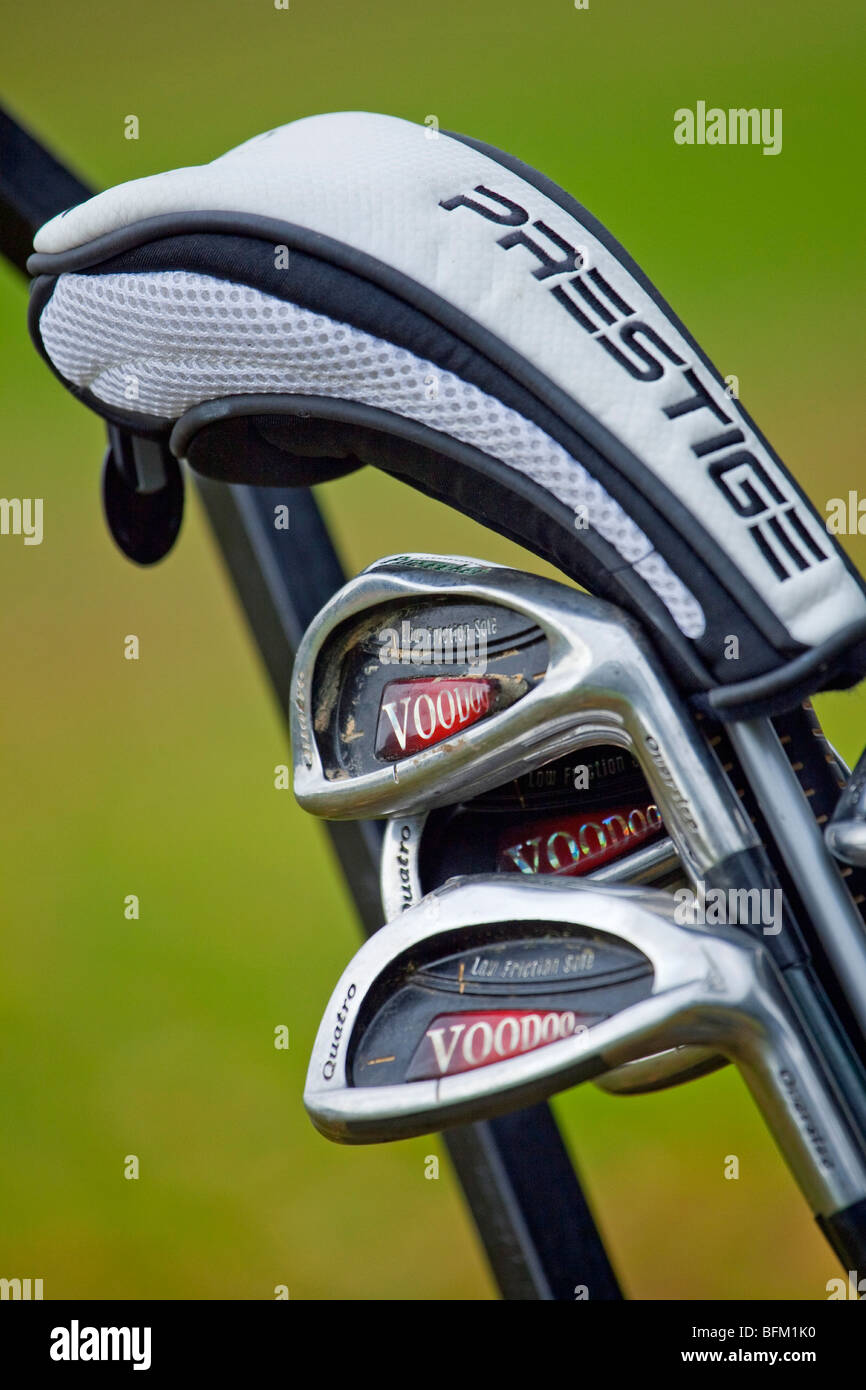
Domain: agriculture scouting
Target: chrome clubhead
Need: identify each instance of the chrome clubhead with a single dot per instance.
(488, 997)
(430, 679)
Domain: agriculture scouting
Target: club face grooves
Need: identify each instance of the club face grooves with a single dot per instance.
(629, 968)
(416, 674)
(336, 770)
(453, 1004)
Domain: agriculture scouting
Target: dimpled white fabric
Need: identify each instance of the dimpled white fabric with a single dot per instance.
(161, 342)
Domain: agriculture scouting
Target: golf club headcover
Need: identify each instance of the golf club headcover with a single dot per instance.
(355, 289)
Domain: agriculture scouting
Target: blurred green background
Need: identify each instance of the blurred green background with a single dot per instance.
(154, 1037)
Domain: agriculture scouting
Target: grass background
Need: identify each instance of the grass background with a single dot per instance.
(154, 1037)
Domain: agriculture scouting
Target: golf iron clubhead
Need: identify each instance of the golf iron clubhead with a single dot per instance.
(590, 813)
(585, 815)
(538, 670)
(488, 997)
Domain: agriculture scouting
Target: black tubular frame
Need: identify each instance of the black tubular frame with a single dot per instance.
(520, 1184)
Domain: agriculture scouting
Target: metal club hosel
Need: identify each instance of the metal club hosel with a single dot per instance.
(698, 805)
(784, 1076)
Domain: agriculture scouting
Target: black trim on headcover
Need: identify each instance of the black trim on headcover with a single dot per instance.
(442, 468)
(213, 436)
(771, 692)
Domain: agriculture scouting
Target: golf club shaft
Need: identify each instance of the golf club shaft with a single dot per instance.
(802, 847)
